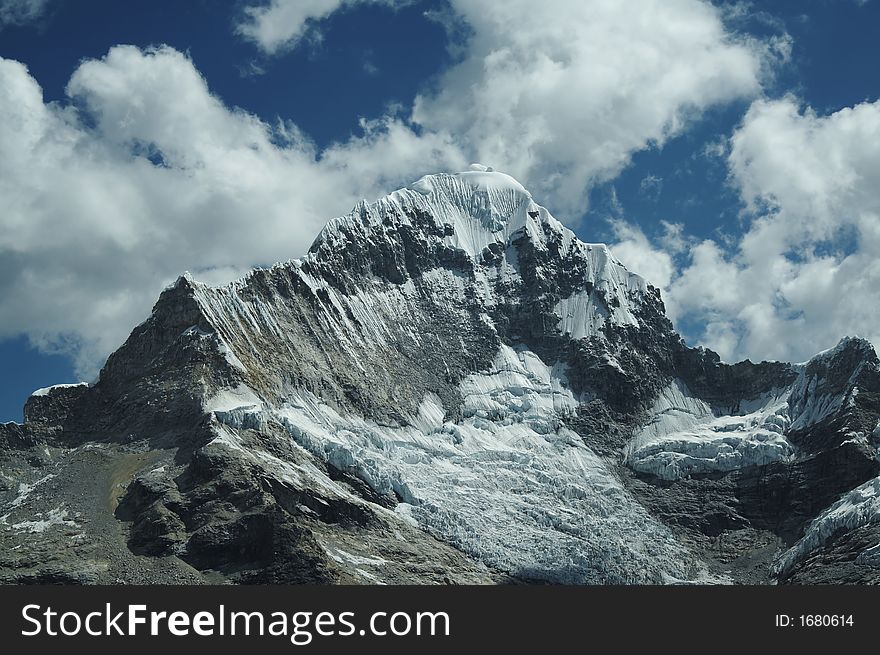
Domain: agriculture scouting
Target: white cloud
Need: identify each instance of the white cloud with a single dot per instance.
(657, 261)
(280, 25)
(19, 12)
(143, 173)
(632, 247)
(807, 269)
(153, 175)
(563, 100)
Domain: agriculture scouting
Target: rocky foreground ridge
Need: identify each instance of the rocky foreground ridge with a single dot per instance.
(449, 387)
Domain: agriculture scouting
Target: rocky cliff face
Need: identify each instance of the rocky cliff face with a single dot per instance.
(449, 388)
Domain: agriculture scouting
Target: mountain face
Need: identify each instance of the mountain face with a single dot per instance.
(449, 387)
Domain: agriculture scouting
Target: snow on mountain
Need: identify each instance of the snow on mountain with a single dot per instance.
(448, 385)
(827, 382)
(488, 465)
(45, 391)
(684, 437)
(581, 316)
(509, 484)
(477, 209)
(856, 508)
(483, 460)
(473, 208)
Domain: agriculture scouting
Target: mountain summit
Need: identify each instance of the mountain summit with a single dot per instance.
(449, 387)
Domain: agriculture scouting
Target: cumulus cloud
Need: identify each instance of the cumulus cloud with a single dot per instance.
(806, 271)
(143, 174)
(20, 12)
(563, 100)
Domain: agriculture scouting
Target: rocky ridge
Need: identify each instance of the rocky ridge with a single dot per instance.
(449, 387)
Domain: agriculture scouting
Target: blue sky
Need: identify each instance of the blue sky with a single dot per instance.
(691, 190)
(312, 86)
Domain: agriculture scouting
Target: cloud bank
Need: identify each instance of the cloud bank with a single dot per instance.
(563, 99)
(142, 172)
(806, 271)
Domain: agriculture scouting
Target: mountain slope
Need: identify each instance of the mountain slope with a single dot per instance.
(449, 387)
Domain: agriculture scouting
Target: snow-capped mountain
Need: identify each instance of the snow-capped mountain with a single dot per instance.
(449, 387)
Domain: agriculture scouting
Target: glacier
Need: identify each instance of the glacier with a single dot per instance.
(509, 484)
(684, 437)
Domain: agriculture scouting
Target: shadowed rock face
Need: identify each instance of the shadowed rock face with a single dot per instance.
(448, 388)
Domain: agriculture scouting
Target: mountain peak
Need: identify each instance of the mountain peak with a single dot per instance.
(859, 347)
(477, 180)
(470, 210)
